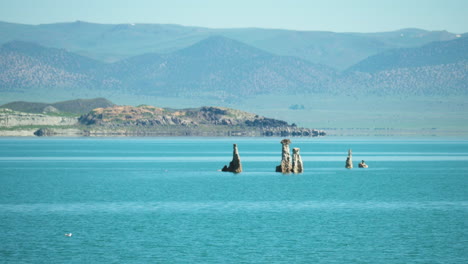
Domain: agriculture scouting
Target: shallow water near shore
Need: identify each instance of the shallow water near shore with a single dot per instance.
(163, 200)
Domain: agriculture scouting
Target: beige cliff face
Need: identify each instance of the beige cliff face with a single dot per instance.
(10, 118)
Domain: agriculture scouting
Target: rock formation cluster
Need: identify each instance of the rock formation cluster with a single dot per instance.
(349, 161)
(286, 165)
(235, 165)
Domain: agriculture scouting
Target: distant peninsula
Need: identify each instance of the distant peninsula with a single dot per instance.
(73, 118)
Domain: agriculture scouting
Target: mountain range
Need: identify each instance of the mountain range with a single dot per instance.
(225, 70)
(408, 78)
(114, 42)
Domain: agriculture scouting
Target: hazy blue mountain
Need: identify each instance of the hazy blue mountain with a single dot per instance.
(409, 37)
(25, 65)
(435, 53)
(111, 43)
(59, 58)
(338, 50)
(219, 67)
(223, 69)
(433, 80)
(438, 68)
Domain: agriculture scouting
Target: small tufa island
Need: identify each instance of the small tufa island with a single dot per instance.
(114, 120)
(235, 165)
(349, 161)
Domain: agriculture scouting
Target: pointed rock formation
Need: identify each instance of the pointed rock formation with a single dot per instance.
(286, 165)
(349, 160)
(363, 165)
(235, 165)
(297, 166)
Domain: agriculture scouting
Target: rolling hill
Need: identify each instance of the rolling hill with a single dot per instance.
(435, 53)
(77, 106)
(219, 67)
(25, 66)
(222, 69)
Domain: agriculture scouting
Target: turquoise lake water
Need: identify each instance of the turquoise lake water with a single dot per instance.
(163, 200)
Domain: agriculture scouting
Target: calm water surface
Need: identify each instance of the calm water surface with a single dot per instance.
(163, 200)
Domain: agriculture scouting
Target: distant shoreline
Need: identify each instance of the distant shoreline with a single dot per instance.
(77, 133)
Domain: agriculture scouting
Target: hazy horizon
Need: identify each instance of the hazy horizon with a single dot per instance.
(247, 27)
(363, 16)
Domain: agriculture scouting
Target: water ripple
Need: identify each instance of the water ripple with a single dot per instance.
(224, 158)
(231, 206)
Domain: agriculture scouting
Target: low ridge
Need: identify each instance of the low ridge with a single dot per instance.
(77, 106)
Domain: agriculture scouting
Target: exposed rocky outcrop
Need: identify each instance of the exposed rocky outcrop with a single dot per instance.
(286, 165)
(10, 118)
(217, 121)
(363, 164)
(349, 160)
(297, 166)
(155, 121)
(235, 165)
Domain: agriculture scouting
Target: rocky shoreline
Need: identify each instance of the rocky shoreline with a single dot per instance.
(149, 121)
(285, 132)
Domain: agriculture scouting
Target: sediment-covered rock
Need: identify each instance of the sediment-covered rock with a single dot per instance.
(349, 160)
(286, 165)
(235, 165)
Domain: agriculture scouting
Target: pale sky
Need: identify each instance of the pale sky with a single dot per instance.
(326, 15)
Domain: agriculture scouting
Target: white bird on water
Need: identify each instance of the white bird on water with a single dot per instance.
(68, 234)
